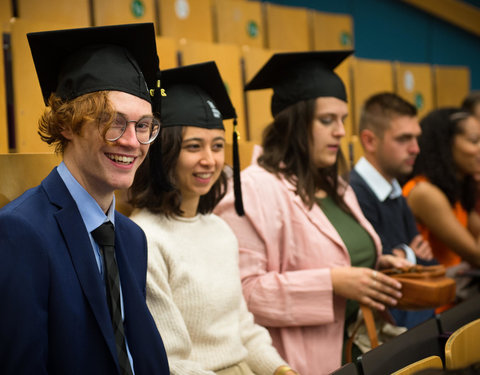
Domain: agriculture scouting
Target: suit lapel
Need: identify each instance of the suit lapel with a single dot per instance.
(79, 246)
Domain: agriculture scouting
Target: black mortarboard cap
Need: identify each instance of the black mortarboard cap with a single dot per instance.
(299, 76)
(195, 96)
(74, 62)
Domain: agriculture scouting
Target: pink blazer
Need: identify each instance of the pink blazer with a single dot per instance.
(286, 253)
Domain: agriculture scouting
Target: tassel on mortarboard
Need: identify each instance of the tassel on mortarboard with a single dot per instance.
(237, 186)
(157, 172)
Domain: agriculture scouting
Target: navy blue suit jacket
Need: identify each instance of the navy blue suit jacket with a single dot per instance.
(54, 316)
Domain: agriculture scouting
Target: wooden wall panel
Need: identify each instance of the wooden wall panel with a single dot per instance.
(167, 49)
(227, 58)
(106, 12)
(288, 28)
(369, 77)
(27, 96)
(257, 101)
(74, 13)
(414, 82)
(332, 31)
(190, 19)
(452, 85)
(23, 171)
(239, 22)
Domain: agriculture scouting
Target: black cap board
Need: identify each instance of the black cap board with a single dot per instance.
(196, 96)
(74, 62)
(297, 76)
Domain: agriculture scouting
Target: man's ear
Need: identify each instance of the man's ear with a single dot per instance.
(67, 133)
(369, 140)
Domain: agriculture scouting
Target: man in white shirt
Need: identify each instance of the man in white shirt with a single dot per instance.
(389, 130)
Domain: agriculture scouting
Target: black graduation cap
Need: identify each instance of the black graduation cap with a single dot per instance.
(75, 62)
(195, 96)
(297, 76)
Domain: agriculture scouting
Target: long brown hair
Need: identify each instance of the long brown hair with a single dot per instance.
(148, 188)
(287, 144)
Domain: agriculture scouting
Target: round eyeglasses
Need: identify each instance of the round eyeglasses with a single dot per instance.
(146, 129)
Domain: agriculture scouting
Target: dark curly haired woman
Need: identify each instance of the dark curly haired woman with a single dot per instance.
(442, 192)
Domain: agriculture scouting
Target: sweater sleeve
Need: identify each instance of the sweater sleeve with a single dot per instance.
(167, 316)
(266, 234)
(262, 357)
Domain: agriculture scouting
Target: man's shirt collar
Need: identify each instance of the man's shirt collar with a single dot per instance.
(379, 185)
(92, 215)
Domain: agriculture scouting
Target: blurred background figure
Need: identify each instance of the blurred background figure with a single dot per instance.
(441, 192)
(389, 130)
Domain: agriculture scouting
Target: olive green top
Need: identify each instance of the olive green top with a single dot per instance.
(358, 242)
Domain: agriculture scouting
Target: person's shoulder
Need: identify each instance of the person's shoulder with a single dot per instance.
(217, 221)
(423, 187)
(354, 177)
(148, 221)
(426, 194)
(357, 182)
(31, 204)
(260, 178)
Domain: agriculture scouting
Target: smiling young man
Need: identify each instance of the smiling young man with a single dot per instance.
(73, 295)
(389, 130)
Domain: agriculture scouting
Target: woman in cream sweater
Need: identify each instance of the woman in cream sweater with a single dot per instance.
(193, 283)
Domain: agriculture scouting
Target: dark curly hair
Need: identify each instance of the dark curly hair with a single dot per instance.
(435, 160)
(286, 152)
(150, 190)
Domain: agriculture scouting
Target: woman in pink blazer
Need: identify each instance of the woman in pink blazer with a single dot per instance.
(305, 246)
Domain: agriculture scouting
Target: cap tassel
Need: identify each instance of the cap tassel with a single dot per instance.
(159, 178)
(237, 186)
(157, 96)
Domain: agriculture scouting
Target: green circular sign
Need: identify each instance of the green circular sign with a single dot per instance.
(252, 29)
(419, 102)
(345, 38)
(138, 9)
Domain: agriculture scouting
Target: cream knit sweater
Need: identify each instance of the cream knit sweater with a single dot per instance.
(194, 294)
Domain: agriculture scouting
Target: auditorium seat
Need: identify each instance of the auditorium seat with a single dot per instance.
(239, 22)
(432, 362)
(74, 13)
(414, 83)
(452, 84)
(347, 369)
(227, 58)
(461, 349)
(288, 28)
(21, 172)
(124, 11)
(186, 19)
(332, 31)
(29, 104)
(415, 344)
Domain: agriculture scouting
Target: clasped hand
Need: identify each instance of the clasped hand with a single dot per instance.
(368, 286)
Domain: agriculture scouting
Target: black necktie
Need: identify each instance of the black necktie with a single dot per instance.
(104, 235)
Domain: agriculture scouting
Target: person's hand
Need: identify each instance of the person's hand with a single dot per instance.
(392, 261)
(366, 286)
(421, 248)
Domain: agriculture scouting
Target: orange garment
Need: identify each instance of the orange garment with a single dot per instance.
(441, 252)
